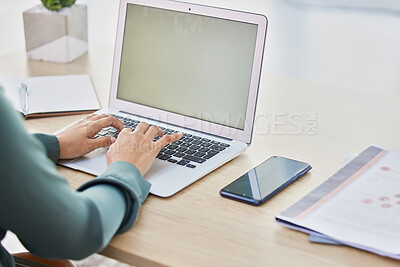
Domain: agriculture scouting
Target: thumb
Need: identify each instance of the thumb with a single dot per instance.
(102, 142)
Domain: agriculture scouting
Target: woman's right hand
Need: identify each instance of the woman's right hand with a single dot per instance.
(138, 148)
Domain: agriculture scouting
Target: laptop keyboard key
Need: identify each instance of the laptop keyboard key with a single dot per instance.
(179, 154)
(218, 148)
(210, 154)
(194, 147)
(191, 166)
(181, 149)
(172, 146)
(186, 145)
(193, 158)
(205, 144)
(199, 154)
(177, 143)
(164, 157)
(204, 149)
(190, 152)
(182, 162)
(196, 142)
(169, 152)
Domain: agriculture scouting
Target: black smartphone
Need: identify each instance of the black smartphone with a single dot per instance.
(265, 180)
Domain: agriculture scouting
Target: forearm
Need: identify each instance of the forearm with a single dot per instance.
(135, 188)
(111, 202)
(91, 227)
(68, 224)
(38, 205)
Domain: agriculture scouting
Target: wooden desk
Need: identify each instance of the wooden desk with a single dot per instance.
(197, 227)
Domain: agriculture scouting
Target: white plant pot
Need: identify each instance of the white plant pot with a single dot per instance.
(56, 36)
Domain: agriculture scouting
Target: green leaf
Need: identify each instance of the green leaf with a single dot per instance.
(56, 5)
(67, 3)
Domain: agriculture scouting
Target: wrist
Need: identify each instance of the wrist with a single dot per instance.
(63, 147)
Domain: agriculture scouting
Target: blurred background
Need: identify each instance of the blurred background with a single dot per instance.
(352, 44)
(347, 43)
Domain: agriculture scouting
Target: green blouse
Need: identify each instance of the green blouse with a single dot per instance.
(37, 204)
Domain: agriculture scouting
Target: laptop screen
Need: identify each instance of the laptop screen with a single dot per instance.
(193, 65)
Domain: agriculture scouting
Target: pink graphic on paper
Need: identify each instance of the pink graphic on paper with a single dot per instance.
(385, 168)
(386, 206)
(384, 198)
(367, 201)
(397, 195)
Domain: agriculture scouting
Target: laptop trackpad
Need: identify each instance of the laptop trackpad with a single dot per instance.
(94, 162)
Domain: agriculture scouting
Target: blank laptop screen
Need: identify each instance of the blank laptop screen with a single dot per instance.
(193, 65)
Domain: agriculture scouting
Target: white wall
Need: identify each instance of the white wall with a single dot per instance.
(351, 46)
(102, 14)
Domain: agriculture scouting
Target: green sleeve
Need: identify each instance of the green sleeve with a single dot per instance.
(50, 219)
(50, 142)
(135, 190)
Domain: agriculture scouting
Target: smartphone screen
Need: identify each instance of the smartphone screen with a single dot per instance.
(265, 180)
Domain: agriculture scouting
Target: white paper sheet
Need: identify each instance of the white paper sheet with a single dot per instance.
(358, 206)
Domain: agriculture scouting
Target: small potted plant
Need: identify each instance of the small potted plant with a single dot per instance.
(56, 31)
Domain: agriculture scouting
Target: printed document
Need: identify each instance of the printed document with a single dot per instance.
(358, 206)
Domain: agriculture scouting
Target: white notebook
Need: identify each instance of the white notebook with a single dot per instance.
(50, 95)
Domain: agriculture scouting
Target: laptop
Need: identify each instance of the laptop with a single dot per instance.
(189, 68)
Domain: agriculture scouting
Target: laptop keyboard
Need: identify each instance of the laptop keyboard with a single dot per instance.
(188, 151)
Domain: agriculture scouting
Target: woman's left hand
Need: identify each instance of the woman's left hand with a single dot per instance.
(77, 140)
